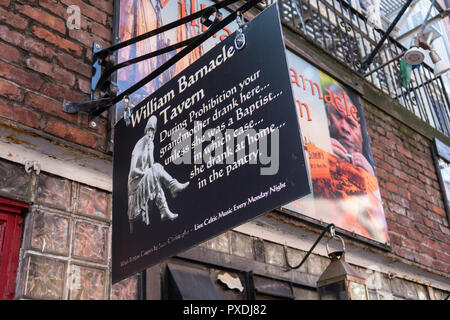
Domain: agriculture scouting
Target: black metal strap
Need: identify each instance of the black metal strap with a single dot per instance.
(328, 228)
(365, 64)
(196, 41)
(104, 53)
(107, 72)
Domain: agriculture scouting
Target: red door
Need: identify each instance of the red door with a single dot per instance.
(10, 238)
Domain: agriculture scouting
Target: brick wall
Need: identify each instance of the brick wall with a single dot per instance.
(413, 202)
(42, 62)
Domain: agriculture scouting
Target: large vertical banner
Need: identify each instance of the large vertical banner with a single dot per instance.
(137, 17)
(345, 187)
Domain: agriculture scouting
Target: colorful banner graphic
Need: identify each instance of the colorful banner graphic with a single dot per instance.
(345, 187)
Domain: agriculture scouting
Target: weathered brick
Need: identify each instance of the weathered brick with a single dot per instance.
(404, 151)
(87, 38)
(61, 93)
(55, 7)
(415, 214)
(407, 243)
(63, 76)
(423, 229)
(416, 166)
(414, 235)
(445, 247)
(443, 235)
(390, 216)
(40, 66)
(101, 31)
(404, 252)
(424, 259)
(391, 187)
(409, 171)
(428, 251)
(73, 64)
(404, 221)
(431, 243)
(26, 43)
(27, 79)
(424, 179)
(381, 131)
(394, 163)
(393, 226)
(42, 17)
(10, 53)
(430, 173)
(88, 10)
(58, 41)
(14, 20)
(415, 190)
(84, 85)
(70, 133)
(395, 238)
(104, 5)
(443, 256)
(402, 175)
(19, 114)
(400, 200)
(398, 209)
(384, 165)
(10, 91)
(441, 266)
(430, 223)
(439, 210)
(47, 105)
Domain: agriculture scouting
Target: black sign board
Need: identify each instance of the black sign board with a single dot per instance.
(216, 146)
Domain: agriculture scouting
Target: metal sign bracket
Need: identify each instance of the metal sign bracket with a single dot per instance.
(105, 93)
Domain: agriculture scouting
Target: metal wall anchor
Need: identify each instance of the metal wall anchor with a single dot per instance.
(32, 165)
(239, 41)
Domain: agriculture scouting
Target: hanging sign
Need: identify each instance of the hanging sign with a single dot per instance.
(216, 146)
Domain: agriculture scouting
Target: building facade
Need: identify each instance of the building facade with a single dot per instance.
(56, 172)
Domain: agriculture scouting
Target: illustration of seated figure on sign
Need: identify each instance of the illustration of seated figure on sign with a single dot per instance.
(146, 180)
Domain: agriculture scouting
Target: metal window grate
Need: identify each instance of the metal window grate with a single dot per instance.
(389, 6)
(345, 33)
